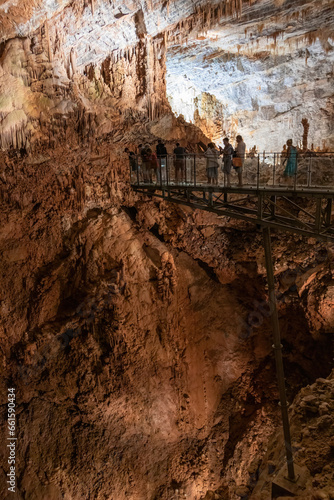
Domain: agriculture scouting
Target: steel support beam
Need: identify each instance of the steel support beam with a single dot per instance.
(277, 346)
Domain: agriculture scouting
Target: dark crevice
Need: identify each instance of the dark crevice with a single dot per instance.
(131, 212)
(208, 269)
(155, 231)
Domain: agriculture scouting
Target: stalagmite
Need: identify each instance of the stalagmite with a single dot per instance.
(73, 61)
(306, 127)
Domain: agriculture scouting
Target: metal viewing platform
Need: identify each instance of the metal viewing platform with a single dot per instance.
(302, 203)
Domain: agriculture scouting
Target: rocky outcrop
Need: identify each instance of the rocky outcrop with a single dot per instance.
(312, 431)
(137, 334)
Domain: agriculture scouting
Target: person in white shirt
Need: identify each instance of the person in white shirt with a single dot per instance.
(212, 156)
(240, 151)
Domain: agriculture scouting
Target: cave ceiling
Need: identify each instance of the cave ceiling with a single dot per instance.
(228, 65)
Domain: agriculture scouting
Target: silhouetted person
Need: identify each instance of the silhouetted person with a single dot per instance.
(227, 161)
(179, 162)
(240, 152)
(153, 163)
(132, 159)
(212, 156)
(161, 149)
(162, 160)
(146, 163)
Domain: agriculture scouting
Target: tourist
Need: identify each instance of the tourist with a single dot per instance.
(153, 163)
(161, 149)
(179, 162)
(146, 163)
(132, 159)
(212, 156)
(291, 158)
(227, 161)
(239, 159)
(162, 159)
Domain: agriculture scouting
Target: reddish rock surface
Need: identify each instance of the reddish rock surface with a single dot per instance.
(135, 332)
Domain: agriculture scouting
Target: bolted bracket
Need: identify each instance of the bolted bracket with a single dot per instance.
(282, 486)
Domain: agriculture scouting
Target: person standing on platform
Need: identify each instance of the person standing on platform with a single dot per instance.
(132, 159)
(146, 164)
(239, 158)
(212, 156)
(291, 158)
(162, 160)
(153, 164)
(227, 161)
(179, 162)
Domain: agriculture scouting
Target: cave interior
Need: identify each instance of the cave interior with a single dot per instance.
(135, 333)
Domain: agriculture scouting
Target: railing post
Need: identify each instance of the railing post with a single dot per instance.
(258, 171)
(185, 168)
(309, 172)
(274, 170)
(167, 170)
(195, 169)
(295, 176)
(137, 165)
(278, 353)
(160, 171)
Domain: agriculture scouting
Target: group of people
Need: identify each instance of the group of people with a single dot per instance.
(231, 158)
(155, 162)
(150, 161)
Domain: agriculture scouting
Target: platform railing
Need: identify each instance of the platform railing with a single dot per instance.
(313, 170)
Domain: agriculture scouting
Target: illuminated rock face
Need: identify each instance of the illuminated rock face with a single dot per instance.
(259, 76)
(256, 68)
(136, 333)
(264, 98)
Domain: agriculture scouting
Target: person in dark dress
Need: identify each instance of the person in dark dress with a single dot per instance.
(227, 161)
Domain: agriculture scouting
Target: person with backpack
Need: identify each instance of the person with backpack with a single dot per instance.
(227, 161)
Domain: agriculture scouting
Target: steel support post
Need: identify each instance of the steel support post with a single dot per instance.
(278, 353)
(328, 212)
(318, 215)
(273, 206)
(137, 165)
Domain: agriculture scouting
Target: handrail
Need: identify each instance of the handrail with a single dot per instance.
(305, 170)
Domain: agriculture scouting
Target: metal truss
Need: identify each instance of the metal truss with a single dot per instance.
(303, 211)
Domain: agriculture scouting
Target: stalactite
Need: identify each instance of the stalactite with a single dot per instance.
(93, 6)
(47, 36)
